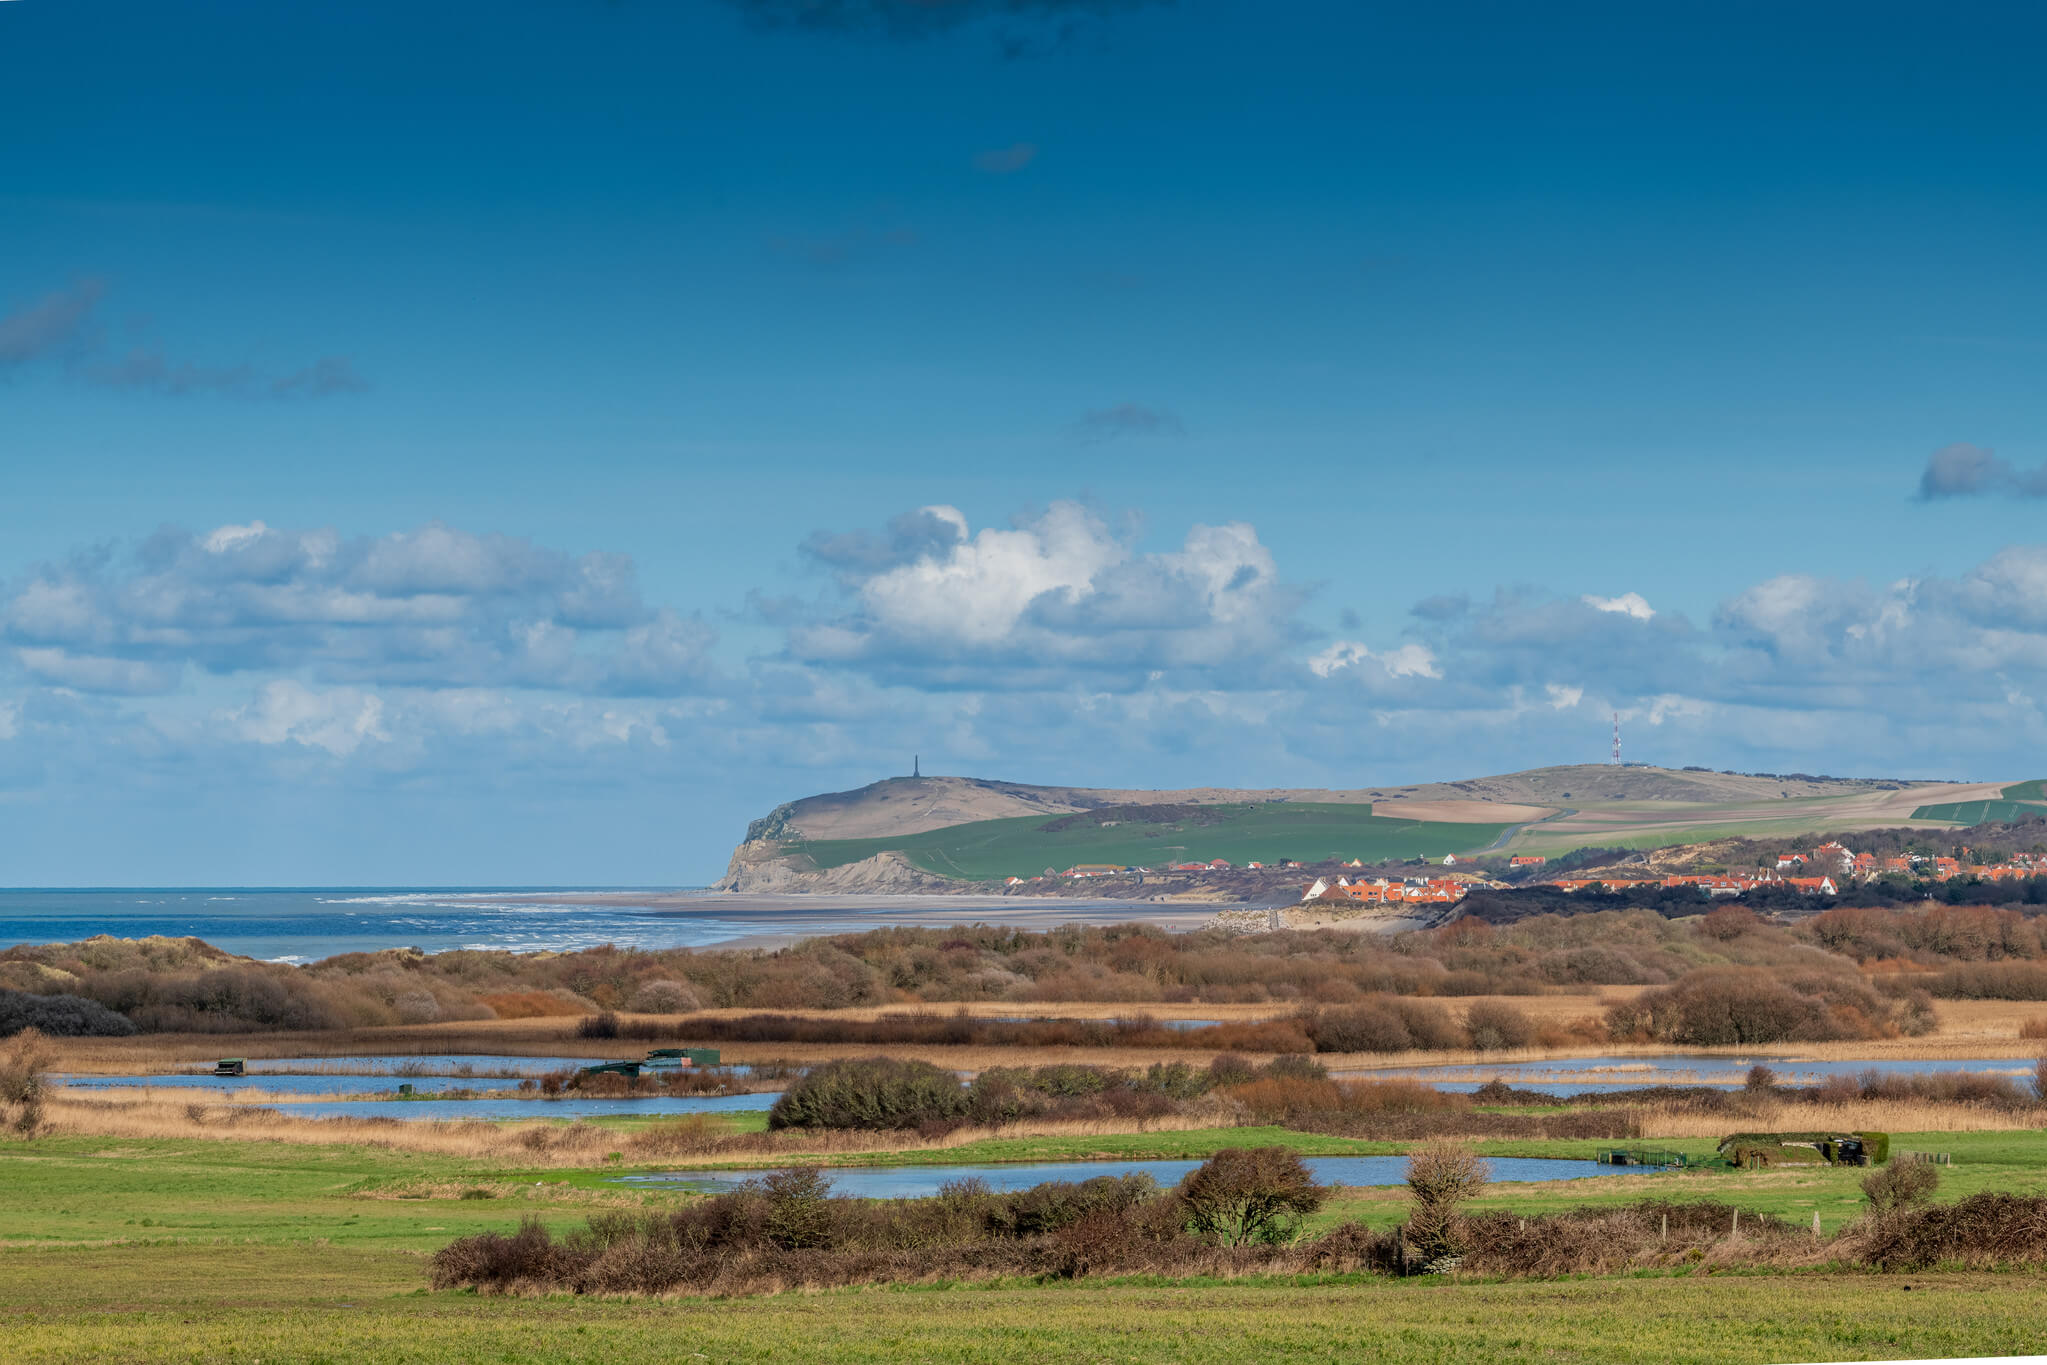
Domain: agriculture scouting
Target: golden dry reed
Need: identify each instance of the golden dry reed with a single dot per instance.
(703, 1140)
(1854, 1116)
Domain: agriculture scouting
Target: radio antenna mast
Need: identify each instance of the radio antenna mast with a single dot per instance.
(1616, 738)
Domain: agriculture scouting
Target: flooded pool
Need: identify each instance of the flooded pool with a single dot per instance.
(910, 1182)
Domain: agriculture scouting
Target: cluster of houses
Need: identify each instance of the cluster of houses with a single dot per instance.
(1824, 870)
(1821, 871)
(1388, 891)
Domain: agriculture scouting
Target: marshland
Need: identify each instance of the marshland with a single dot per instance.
(1110, 1065)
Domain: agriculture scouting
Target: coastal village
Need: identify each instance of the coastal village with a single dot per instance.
(1820, 871)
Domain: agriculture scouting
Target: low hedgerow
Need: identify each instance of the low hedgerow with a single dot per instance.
(1236, 1213)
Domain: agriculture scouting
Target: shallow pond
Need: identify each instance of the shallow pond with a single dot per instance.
(908, 1182)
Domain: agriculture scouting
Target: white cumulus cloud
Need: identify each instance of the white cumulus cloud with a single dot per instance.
(1627, 604)
(339, 721)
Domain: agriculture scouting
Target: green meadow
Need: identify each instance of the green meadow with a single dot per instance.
(1263, 832)
(189, 1250)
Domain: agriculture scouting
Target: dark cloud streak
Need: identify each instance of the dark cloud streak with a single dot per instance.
(1963, 471)
(65, 325)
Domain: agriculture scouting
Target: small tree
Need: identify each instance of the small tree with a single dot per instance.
(21, 1081)
(1442, 1175)
(1249, 1194)
(1895, 1186)
(2040, 1079)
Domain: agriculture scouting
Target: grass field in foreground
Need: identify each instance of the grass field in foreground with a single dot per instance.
(334, 1304)
(1265, 832)
(224, 1250)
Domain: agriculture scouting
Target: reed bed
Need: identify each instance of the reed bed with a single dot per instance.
(699, 1139)
(1855, 1116)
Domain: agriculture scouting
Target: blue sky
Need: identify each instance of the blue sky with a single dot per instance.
(501, 443)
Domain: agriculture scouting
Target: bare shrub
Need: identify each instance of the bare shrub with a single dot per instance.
(491, 1260)
(22, 1081)
(2040, 1079)
(1603, 1239)
(1982, 1230)
(417, 1007)
(664, 997)
(1243, 1195)
(239, 999)
(1441, 1175)
(604, 1025)
(1716, 1006)
(1893, 1187)
(1729, 922)
(1991, 981)
(1384, 1024)
(2035, 1027)
(1493, 1026)
(1228, 1068)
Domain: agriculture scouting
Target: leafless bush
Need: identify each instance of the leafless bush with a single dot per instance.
(1982, 1230)
(21, 1081)
(1748, 1005)
(1893, 1187)
(1493, 1026)
(1601, 1239)
(1383, 1024)
(1442, 1174)
(664, 997)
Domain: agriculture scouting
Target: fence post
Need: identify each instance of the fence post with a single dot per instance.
(1815, 1225)
(1666, 1228)
(1735, 1231)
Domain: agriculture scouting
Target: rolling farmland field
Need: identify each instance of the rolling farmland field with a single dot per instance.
(2020, 801)
(1262, 832)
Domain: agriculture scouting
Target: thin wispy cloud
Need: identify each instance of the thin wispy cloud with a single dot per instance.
(1965, 471)
(65, 326)
(922, 18)
(1006, 160)
(55, 322)
(1126, 419)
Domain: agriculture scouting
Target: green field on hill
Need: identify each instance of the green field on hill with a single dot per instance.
(1265, 832)
(2021, 801)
